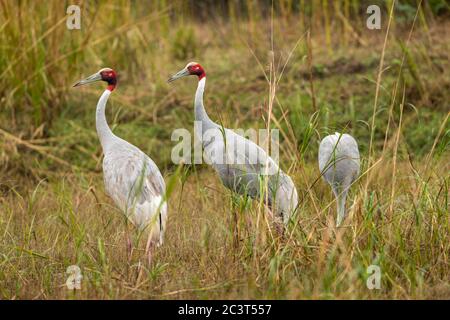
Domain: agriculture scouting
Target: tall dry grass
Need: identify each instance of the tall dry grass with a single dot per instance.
(306, 68)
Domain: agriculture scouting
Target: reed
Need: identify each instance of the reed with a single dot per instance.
(307, 68)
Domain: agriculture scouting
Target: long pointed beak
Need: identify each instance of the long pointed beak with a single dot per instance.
(92, 78)
(179, 74)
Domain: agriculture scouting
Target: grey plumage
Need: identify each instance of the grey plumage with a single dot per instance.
(245, 175)
(131, 178)
(339, 165)
(242, 165)
(137, 187)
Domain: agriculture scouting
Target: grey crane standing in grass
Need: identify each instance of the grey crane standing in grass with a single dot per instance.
(131, 178)
(243, 166)
(339, 165)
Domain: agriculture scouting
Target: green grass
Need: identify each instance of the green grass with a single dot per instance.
(53, 208)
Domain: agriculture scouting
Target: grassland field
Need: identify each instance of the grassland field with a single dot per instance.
(54, 211)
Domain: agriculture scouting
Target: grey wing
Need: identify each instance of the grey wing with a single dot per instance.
(352, 152)
(328, 152)
(243, 166)
(153, 183)
(136, 185)
(239, 163)
(338, 156)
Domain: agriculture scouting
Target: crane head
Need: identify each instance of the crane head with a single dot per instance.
(191, 69)
(106, 74)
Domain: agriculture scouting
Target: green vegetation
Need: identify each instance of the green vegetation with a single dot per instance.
(53, 209)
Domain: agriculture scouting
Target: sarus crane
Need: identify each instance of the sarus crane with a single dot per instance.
(131, 178)
(242, 165)
(339, 166)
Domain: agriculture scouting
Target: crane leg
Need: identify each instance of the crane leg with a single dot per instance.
(149, 248)
(341, 196)
(279, 227)
(129, 244)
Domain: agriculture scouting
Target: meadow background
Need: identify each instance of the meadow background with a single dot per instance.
(389, 88)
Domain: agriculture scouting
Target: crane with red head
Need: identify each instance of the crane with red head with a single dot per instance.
(131, 178)
(242, 165)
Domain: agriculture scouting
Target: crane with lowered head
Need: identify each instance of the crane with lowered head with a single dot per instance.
(339, 166)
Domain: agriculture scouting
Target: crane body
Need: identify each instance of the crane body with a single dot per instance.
(242, 165)
(339, 165)
(131, 178)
